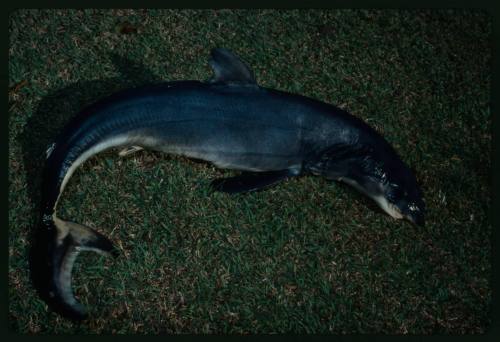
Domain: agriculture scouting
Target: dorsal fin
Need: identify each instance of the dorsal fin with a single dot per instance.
(229, 68)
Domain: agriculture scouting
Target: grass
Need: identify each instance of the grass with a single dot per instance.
(306, 256)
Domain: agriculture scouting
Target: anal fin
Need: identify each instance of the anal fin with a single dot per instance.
(129, 150)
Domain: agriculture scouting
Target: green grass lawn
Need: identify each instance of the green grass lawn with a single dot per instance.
(307, 256)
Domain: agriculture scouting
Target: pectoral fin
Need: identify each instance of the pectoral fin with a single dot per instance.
(250, 181)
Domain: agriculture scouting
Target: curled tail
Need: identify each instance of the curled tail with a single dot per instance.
(56, 246)
(112, 122)
(57, 243)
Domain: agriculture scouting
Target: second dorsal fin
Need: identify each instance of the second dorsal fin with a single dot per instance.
(229, 68)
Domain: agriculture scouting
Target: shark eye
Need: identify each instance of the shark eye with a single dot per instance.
(413, 207)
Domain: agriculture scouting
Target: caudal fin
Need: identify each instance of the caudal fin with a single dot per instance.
(55, 248)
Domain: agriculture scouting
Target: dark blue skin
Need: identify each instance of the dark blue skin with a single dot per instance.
(234, 125)
(245, 127)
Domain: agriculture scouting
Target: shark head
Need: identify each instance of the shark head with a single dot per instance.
(399, 194)
(380, 175)
(402, 202)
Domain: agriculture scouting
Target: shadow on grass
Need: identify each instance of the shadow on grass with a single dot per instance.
(41, 129)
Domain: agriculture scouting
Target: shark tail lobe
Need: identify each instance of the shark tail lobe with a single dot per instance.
(56, 245)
